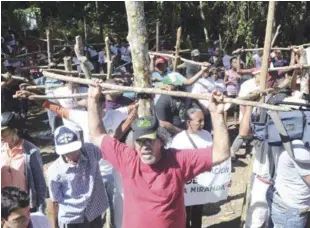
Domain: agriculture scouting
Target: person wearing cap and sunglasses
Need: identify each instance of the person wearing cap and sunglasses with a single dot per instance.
(154, 177)
(75, 184)
(21, 163)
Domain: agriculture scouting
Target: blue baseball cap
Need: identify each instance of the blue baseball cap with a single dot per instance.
(66, 140)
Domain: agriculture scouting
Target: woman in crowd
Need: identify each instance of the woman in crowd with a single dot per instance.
(193, 137)
(21, 163)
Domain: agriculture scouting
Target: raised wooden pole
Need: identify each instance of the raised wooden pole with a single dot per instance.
(157, 35)
(267, 45)
(263, 76)
(202, 15)
(275, 36)
(177, 49)
(164, 92)
(108, 54)
(304, 77)
(79, 52)
(137, 38)
(49, 48)
(68, 63)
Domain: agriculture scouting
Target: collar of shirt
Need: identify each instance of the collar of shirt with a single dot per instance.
(15, 150)
(67, 166)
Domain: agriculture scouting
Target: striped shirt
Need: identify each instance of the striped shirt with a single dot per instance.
(79, 189)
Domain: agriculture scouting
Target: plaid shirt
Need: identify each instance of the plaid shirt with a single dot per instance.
(79, 190)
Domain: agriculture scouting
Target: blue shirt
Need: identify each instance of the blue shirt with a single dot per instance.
(79, 189)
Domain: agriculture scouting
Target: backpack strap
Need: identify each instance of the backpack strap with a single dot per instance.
(282, 132)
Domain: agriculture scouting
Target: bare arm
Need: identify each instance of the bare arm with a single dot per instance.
(245, 128)
(193, 79)
(54, 213)
(307, 179)
(125, 126)
(169, 127)
(221, 143)
(96, 127)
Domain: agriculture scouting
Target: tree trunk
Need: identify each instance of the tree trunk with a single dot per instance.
(204, 22)
(137, 38)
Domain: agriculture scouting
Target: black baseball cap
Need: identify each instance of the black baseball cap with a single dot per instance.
(145, 127)
(8, 120)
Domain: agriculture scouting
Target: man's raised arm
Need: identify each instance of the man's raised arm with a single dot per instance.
(96, 127)
(221, 144)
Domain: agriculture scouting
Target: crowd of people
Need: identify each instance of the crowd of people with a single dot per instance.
(111, 162)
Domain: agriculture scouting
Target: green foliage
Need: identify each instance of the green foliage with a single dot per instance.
(239, 23)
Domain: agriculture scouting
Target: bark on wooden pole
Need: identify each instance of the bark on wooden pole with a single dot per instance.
(79, 52)
(68, 63)
(164, 92)
(108, 54)
(177, 49)
(157, 35)
(263, 76)
(204, 22)
(49, 48)
(85, 30)
(137, 38)
(304, 77)
(275, 36)
(267, 45)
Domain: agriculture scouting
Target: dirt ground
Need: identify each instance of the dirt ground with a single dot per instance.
(223, 214)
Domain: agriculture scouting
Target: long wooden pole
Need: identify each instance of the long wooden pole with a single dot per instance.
(275, 36)
(157, 35)
(277, 48)
(267, 45)
(109, 59)
(79, 52)
(163, 92)
(49, 49)
(263, 76)
(177, 49)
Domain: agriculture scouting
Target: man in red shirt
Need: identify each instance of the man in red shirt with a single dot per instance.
(154, 177)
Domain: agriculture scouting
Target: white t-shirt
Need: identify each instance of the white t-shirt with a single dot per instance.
(207, 85)
(101, 57)
(39, 220)
(289, 182)
(258, 60)
(111, 120)
(247, 87)
(92, 52)
(202, 140)
(79, 68)
(70, 103)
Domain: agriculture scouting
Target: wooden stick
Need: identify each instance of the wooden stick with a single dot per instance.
(108, 52)
(78, 47)
(9, 76)
(32, 53)
(74, 72)
(49, 51)
(78, 95)
(256, 94)
(79, 51)
(275, 36)
(68, 63)
(263, 76)
(93, 44)
(260, 49)
(164, 92)
(43, 86)
(177, 49)
(182, 59)
(288, 68)
(157, 35)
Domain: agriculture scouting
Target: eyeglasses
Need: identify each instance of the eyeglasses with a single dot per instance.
(142, 142)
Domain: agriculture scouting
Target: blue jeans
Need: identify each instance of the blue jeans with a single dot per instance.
(282, 216)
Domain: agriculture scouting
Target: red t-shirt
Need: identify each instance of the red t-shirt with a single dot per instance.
(154, 194)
